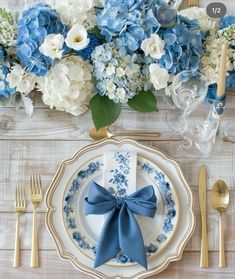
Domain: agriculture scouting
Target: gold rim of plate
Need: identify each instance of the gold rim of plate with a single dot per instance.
(158, 251)
(51, 210)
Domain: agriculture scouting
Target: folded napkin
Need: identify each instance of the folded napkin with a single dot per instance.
(121, 231)
(119, 175)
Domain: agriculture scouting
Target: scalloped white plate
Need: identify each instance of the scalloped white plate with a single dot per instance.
(66, 248)
(84, 230)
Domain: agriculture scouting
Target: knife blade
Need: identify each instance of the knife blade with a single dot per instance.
(202, 201)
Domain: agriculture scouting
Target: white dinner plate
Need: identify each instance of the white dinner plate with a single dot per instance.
(84, 230)
(69, 250)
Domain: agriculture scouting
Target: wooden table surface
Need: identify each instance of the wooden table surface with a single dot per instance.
(41, 143)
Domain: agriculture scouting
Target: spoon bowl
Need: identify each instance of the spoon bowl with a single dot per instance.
(220, 202)
(99, 134)
(220, 196)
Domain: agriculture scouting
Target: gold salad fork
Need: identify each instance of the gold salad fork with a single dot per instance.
(35, 198)
(20, 205)
(193, 3)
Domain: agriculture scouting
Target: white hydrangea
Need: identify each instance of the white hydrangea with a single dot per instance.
(20, 79)
(67, 86)
(206, 23)
(77, 11)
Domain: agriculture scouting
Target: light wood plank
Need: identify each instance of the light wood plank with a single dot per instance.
(52, 124)
(52, 267)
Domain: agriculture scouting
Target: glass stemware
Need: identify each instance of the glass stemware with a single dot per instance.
(188, 92)
(193, 119)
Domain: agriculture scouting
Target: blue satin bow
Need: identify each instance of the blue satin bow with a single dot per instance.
(121, 231)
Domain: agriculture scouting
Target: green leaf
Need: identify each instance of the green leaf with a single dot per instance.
(96, 31)
(145, 101)
(104, 111)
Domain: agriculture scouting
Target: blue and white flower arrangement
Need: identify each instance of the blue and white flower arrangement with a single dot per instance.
(100, 54)
(217, 31)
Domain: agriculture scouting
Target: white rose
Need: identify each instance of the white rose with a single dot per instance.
(153, 46)
(52, 46)
(158, 76)
(77, 37)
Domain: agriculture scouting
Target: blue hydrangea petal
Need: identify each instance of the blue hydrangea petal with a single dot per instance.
(36, 23)
(87, 52)
(226, 21)
(5, 89)
(2, 53)
(169, 38)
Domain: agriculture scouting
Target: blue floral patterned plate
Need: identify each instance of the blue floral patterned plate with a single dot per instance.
(84, 230)
(76, 236)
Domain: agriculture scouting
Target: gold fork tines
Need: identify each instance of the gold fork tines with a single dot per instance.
(193, 3)
(20, 205)
(35, 198)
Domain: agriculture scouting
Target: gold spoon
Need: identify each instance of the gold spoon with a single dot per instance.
(220, 202)
(104, 133)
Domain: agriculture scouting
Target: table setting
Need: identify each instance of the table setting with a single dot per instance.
(117, 139)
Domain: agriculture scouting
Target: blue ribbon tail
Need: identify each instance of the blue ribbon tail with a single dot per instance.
(108, 245)
(130, 237)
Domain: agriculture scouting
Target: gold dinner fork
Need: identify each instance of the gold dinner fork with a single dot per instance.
(20, 205)
(193, 3)
(35, 198)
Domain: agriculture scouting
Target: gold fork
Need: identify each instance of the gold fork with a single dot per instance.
(20, 205)
(193, 3)
(35, 198)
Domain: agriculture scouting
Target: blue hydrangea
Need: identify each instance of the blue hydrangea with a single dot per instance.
(36, 23)
(183, 46)
(226, 21)
(94, 42)
(120, 76)
(133, 20)
(5, 90)
(2, 53)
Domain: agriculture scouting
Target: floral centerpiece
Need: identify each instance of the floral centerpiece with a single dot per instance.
(99, 55)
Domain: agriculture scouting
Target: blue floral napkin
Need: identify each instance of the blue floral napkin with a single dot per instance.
(119, 176)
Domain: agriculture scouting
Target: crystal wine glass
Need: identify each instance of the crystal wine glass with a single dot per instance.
(189, 91)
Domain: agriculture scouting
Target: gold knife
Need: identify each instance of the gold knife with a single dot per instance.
(202, 201)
